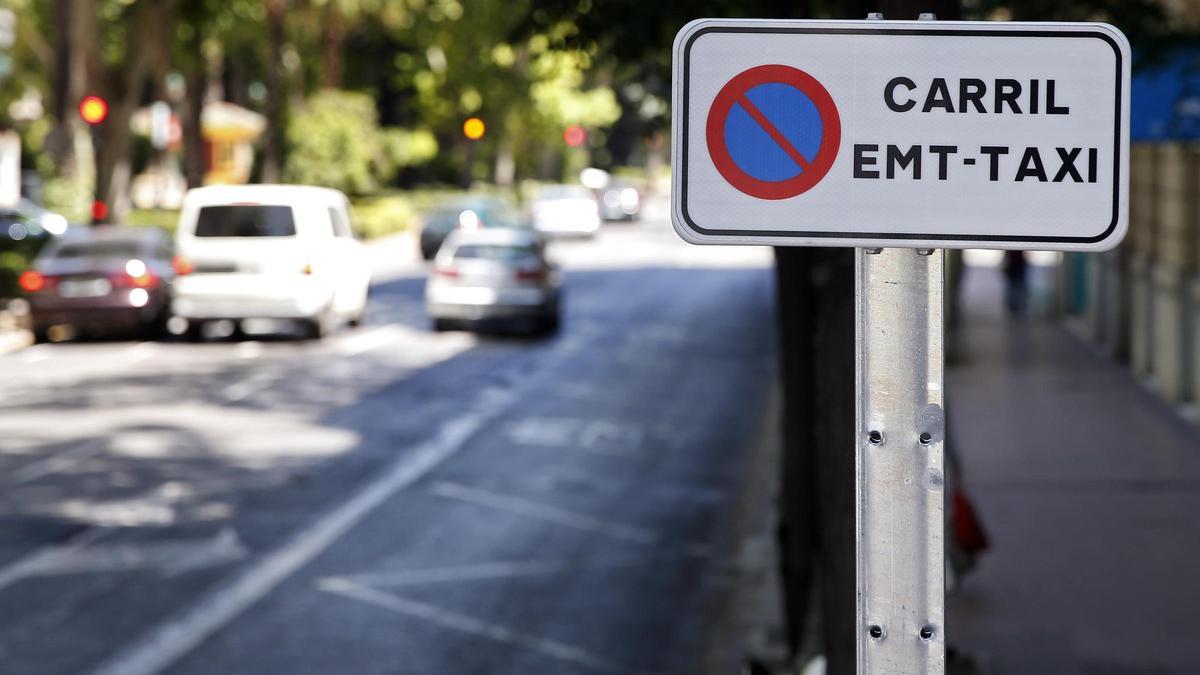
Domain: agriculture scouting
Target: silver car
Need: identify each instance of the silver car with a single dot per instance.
(484, 275)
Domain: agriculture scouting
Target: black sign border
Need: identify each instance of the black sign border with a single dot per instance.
(968, 32)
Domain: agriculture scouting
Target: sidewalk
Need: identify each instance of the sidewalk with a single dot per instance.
(1090, 489)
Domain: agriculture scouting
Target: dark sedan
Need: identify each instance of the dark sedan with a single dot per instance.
(102, 280)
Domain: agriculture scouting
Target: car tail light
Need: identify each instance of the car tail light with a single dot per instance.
(31, 281)
(182, 265)
(446, 272)
(534, 274)
(137, 275)
(145, 280)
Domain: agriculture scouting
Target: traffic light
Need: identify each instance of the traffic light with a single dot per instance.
(99, 210)
(93, 110)
(474, 128)
(574, 135)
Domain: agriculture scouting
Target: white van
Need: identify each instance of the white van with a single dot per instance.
(268, 252)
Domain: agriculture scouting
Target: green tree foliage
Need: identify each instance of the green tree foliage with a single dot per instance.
(335, 140)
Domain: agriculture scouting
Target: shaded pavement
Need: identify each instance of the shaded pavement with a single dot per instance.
(1090, 488)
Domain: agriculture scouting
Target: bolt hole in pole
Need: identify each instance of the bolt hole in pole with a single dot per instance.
(926, 438)
(927, 633)
(875, 437)
(875, 631)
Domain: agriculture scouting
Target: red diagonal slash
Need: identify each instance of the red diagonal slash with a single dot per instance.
(774, 133)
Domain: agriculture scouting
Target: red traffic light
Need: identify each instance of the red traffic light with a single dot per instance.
(574, 135)
(93, 109)
(99, 211)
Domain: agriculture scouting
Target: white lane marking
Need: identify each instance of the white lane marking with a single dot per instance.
(550, 514)
(18, 569)
(248, 350)
(368, 340)
(472, 626)
(170, 558)
(55, 463)
(243, 389)
(454, 573)
(141, 351)
(606, 437)
(35, 354)
(166, 643)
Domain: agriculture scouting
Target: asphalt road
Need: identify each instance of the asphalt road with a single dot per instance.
(394, 500)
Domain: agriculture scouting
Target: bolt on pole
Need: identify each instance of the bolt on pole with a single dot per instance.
(900, 484)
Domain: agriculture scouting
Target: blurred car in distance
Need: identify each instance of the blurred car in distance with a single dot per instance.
(466, 213)
(486, 275)
(254, 253)
(619, 200)
(28, 220)
(569, 210)
(101, 280)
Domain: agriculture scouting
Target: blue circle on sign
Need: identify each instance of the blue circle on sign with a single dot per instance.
(762, 117)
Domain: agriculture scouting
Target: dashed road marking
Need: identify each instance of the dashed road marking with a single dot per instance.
(550, 514)
(455, 573)
(55, 463)
(170, 557)
(472, 626)
(248, 350)
(141, 351)
(368, 340)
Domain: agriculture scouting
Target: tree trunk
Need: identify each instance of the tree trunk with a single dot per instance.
(816, 331)
(333, 43)
(506, 164)
(147, 42)
(191, 111)
(276, 97)
(58, 141)
(74, 40)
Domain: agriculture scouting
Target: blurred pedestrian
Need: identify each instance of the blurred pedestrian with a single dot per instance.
(1016, 273)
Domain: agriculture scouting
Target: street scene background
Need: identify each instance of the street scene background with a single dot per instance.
(547, 436)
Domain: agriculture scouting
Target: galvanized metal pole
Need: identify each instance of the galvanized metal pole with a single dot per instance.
(900, 481)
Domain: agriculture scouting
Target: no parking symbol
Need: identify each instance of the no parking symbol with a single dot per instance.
(773, 132)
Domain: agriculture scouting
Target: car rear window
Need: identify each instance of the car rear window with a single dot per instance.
(564, 192)
(245, 220)
(99, 249)
(495, 252)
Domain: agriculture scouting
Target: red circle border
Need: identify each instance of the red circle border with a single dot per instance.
(831, 131)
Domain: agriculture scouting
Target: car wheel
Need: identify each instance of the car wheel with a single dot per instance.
(443, 325)
(195, 331)
(156, 327)
(319, 326)
(547, 324)
(40, 336)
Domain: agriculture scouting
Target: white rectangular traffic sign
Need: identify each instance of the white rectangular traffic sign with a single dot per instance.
(895, 133)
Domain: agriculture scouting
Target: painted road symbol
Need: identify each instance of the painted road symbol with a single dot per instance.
(773, 132)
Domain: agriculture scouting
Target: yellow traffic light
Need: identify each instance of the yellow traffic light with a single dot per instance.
(93, 109)
(474, 128)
